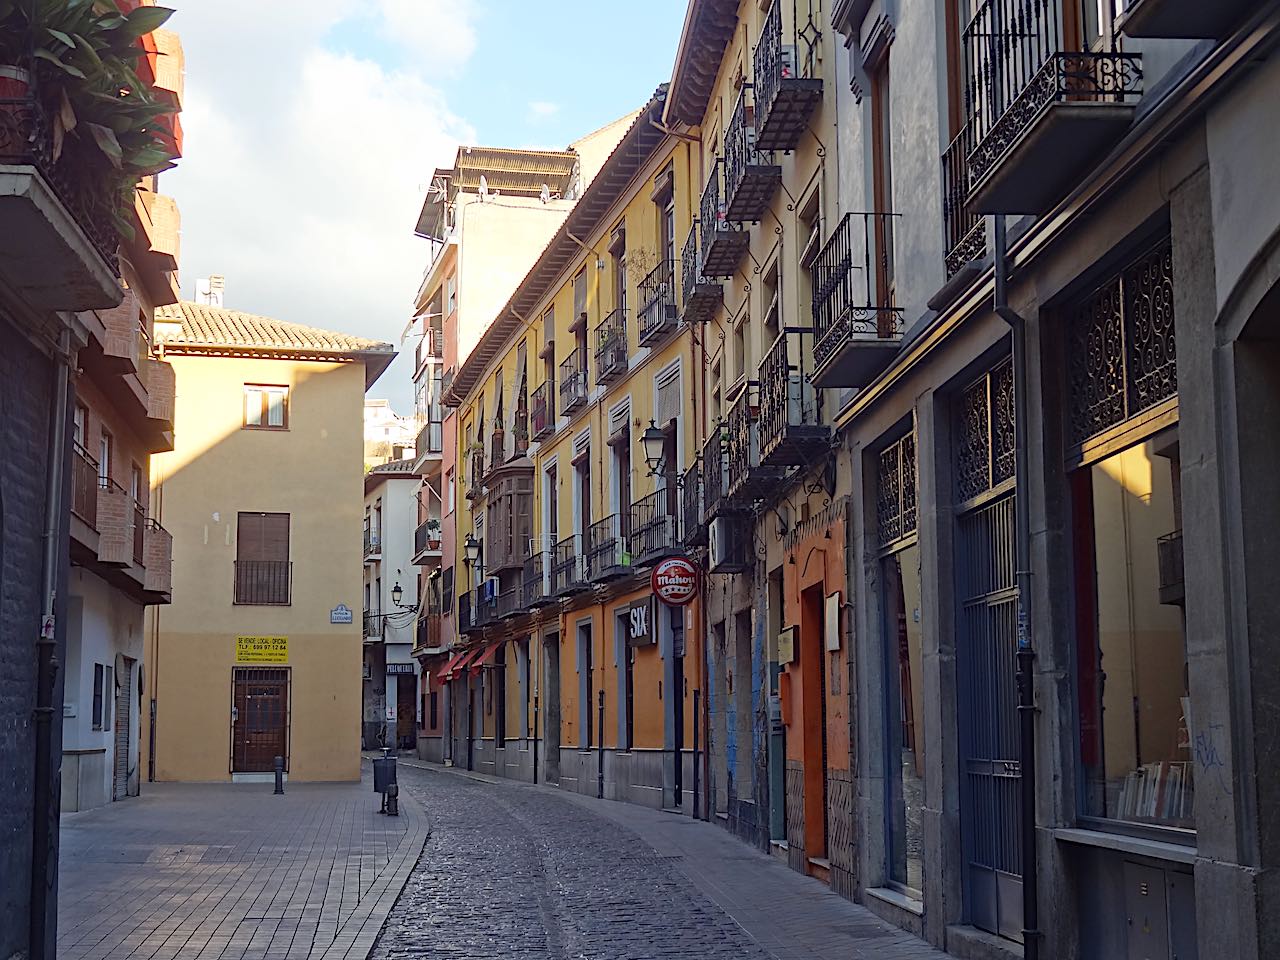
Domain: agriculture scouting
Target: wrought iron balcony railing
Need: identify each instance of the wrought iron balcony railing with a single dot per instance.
(1018, 66)
(785, 69)
(372, 543)
(751, 177)
(658, 314)
(724, 244)
(78, 173)
(573, 381)
(426, 537)
(537, 583)
(84, 486)
(749, 479)
(702, 295)
(507, 603)
(607, 548)
(542, 410)
(692, 526)
(484, 605)
(655, 524)
(790, 424)
(715, 475)
(466, 619)
(611, 346)
(427, 631)
(497, 449)
(373, 625)
(569, 575)
(966, 232)
(846, 313)
(263, 582)
(431, 436)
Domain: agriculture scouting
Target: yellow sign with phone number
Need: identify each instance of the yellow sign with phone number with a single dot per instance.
(262, 649)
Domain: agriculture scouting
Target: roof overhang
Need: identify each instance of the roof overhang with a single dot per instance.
(637, 147)
(708, 29)
(375, 361)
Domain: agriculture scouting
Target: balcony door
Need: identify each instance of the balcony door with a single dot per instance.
(262, 558)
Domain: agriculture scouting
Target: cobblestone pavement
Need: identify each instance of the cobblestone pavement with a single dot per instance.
(530, 873)
(223, 870)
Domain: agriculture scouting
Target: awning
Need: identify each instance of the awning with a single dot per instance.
(454, 666)
(487, 656)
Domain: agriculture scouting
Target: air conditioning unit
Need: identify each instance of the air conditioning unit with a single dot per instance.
(726, 545)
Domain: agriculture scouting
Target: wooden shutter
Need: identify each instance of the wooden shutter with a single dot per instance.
(262, 536)
(668, 390)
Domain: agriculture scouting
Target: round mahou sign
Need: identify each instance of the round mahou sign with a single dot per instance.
(675, 581)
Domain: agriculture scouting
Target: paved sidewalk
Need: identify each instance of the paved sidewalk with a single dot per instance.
(223, 870)
(787, 915)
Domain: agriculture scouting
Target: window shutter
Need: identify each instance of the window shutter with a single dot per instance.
(262, 536)
(668, 395)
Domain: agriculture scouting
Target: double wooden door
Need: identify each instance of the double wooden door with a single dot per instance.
(260, 728)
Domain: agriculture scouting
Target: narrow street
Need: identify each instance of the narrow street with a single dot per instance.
(528, 873)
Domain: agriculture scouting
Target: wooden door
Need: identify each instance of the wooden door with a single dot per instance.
(260, 731)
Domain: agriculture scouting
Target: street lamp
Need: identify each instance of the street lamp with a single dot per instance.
(654, 441)
(397, 594)
(473, 555)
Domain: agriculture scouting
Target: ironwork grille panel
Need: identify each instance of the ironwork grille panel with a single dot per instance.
(1123, 350)
(896, 491)
(690, 268)
(985, 449)
(988, 708)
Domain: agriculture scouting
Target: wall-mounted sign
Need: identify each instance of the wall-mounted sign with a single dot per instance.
(675, 581)
(831, 622)
(399, 668)
(341, 614)
(262, 649)
(787, 645)
(639, 623)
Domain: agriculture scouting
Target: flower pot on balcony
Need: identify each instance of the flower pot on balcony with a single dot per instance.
(15, 82)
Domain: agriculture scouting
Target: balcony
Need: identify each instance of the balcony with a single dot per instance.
(790, 424)
(1183, 19)
(854, 339)
(716, 500)
(263, 582)
(115, 524)
(58, 239)
(702, 295)
(138, 534)
(658, 316)
(430, 439)
(372, 545)
(426, 634)
(607, 555)
(122, 327)
(1169, 561)
(374, 625)
(569, 575)
(965, 232)
(724, 244)
(509, 523)
(466, 622)
(655, 525)
(1043, 115)
(507, 603)
(751, 178)
(157, 558)
(542, 410)
(84, 486)
(749, 479)
(484, 604)
(475, 476)
(788, 87)
(426, 542)
(573, 381)
(611, 346)
(536, 583)
(692, 509)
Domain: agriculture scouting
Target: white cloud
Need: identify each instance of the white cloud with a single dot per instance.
(440, 31)
(542, 109)
(304, 170)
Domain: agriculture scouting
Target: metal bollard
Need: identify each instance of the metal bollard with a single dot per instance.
(279, 775)
(600, 752)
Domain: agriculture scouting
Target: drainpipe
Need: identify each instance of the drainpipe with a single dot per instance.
(1022, 553)
(44, 821)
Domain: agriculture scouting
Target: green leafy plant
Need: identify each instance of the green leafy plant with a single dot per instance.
(82, 56)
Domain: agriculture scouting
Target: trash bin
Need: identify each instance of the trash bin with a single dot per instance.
(384, 774)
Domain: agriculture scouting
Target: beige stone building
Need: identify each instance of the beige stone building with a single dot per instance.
(262, 494)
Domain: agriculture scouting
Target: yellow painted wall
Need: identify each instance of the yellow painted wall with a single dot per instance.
(311, 471)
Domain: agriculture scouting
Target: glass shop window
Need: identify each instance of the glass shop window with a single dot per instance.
(1136, 718)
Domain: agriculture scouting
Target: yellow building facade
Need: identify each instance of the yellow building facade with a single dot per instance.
(570, 670)
(262, 656)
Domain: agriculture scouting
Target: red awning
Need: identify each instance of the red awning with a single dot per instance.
(454, 666)
(487, 656)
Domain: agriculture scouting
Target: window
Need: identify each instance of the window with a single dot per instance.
(263, 570)
(500, 696)
(740, 349)
(136, 484)
(98, 670)
(1136, 716)
(586, 686)
(434, 713)
(450, 496)
(904, 712)
(772, 306)
(106, 450)
(882, 180)
(80, 425)
(450, 295)
(446, 591)
(579, 295)
(266, 407)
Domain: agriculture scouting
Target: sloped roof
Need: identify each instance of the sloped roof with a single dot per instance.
(216, 330)
(708, 28)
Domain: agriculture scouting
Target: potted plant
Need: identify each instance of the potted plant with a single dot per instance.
(74, 64)
(522, 436)
(433, 533)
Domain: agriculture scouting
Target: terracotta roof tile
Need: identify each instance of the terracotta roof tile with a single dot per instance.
(206, 326)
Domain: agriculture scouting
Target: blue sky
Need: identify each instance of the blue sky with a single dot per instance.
(313, 127)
